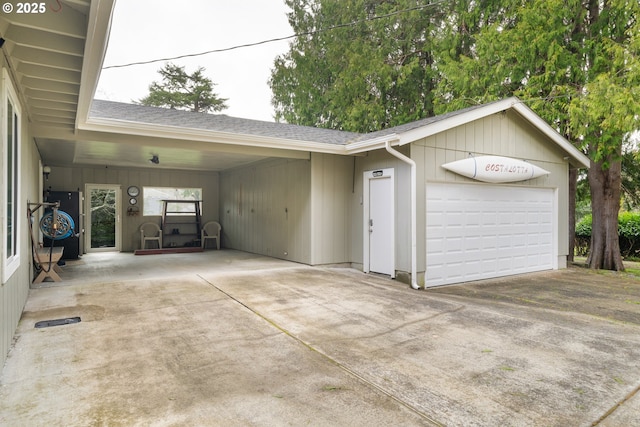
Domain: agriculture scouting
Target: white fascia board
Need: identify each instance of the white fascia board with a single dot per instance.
(371, 144)
(97, 40)
(204, 135)
(431, 129)
(545, 128)
(456, 120)
(461, 119)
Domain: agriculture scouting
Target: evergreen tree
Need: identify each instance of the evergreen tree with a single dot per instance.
(182, 91)
(358, 65)
(576, 64)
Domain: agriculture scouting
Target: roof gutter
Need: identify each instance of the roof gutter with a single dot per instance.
(414, 204)
(204, 135)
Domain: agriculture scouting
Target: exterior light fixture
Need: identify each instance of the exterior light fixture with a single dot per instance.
(154, 159)
(46, 171)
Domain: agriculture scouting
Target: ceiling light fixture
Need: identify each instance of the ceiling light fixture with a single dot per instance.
(154, 159)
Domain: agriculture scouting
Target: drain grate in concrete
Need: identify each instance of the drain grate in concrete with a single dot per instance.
(57, 322)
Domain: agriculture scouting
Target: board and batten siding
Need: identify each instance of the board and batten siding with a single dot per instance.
(375, 160)
(14, 292)
(332, 182)
(265, 209)
(503, 134)
(74, 179)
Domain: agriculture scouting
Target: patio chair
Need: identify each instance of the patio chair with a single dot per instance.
(210, 231)
(150, 232)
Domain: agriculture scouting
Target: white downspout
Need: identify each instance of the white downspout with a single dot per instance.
(414, 203)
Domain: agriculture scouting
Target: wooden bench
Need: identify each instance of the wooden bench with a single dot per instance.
(48, 259)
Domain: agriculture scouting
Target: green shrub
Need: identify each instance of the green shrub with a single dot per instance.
(628, 234)
(629, 225)
(583, 227)
(583, 236)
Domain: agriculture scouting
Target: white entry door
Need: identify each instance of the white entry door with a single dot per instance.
(478, 231)
(379, 222)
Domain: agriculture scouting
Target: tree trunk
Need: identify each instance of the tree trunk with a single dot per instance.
(605, 185)
(573, 183)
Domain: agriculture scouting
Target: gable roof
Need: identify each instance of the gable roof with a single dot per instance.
(220, 128)
(136, 113)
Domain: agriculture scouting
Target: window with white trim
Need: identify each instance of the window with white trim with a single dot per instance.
(11, 220)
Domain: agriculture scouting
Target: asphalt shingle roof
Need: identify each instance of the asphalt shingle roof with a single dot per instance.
(223, 123)
(216, 122)
(419, 123)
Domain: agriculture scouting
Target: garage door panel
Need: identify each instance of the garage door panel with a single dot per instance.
(482, 231)
(437, 221)
(473, 218)
(520, 262)
(489, 219)
(454, 219)
(454, 245)
(473, 244)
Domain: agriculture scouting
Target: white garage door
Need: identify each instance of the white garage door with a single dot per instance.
(482, 231)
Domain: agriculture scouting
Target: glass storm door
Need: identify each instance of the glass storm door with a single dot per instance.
(103, 218)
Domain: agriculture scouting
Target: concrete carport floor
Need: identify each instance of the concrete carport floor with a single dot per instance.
(229, 338)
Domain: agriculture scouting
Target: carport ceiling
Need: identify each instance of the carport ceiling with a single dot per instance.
(183, 155)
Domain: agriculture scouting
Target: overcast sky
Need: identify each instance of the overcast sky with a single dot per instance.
(153, 29)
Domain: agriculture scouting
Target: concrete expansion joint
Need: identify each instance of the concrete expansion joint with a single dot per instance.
(607, 414)
(329, 359)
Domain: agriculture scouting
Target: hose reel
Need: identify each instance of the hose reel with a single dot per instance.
(57, 225)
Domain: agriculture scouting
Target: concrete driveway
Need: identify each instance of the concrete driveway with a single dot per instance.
(228, 338)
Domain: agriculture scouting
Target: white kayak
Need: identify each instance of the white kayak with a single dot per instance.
(495, 169)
